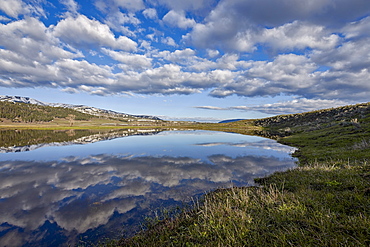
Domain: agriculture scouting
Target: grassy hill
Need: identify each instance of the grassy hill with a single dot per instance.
(30, 113)
(33, 116)
(323, 202)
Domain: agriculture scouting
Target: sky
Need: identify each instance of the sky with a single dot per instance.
(204, 60)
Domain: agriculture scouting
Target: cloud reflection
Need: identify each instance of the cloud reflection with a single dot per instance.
(79, 194)
(263, 144)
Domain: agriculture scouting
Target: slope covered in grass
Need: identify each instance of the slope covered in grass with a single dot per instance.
(21, 112)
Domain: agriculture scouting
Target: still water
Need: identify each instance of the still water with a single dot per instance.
(84, 190)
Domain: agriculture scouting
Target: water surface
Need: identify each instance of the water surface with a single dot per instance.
(81, 191)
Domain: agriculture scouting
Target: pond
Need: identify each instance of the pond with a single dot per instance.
(100, 185)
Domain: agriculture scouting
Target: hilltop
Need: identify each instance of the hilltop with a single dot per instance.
(17, 111)
(315, 120)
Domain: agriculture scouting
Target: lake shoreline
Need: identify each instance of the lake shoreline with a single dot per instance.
(323, 202)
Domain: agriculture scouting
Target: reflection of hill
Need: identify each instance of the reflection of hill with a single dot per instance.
(64, 138)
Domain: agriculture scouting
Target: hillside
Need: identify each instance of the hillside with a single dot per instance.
(80, 108)
(309, 121)
(25, 112)
(30, 113)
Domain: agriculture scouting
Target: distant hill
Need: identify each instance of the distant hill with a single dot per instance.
(80, 108)
(230, 120)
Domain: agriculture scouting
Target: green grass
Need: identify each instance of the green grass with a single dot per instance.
(339, 142)
(319, 205)
(323, 202)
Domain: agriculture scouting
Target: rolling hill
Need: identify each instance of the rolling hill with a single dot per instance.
(79, 108)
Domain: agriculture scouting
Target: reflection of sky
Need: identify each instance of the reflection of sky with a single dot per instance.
(97, 186)
(174, 143)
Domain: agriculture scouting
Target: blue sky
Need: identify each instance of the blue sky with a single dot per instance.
(194, 59)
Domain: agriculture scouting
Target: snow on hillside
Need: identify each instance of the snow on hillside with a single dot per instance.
(81, 108)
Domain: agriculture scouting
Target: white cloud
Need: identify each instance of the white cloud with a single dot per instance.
(226, 62)
(130, 61)
(84, 32)
(290, 68)
(71, 5)
(169, 41)
(118, 21)
(210, 108)
(357, 29)
(179, 56)
(121, 13)
(169, 79)
(73, 73)
(150, 13)
(294, 106)
(12, 8)
(178, 19)
(288, 37)
(312, 50)
(239, 25)
(350, 56)
(298, 35)
(287, 107)
(114, 5)
(212, 53)
(5, 19)
(133, 5)
(192, 5)
(29, 53)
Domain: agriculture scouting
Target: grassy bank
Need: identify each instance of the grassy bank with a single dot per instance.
(324, 202)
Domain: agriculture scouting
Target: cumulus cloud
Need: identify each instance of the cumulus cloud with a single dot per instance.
(314, 50)
(129, 61)
(357, 29)
(71, 5)
(115, 5)
(83, 32)
(167, 79)
(287, 37)
(298, 35)
(36, 55)
(288, 74)
(118, 21)
(150, 13)
(212, 53)
(178, 56)
(351, 56)
(17, 8)
(178, 19)
(189, 5)
(12, 8)
(169, 41)
(238, 24)
(29, 40)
